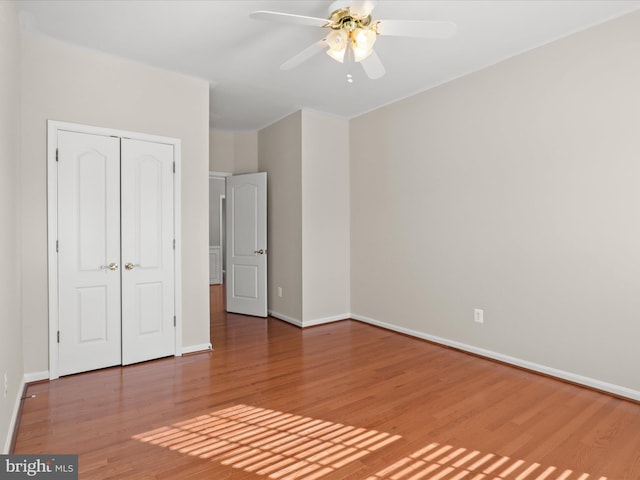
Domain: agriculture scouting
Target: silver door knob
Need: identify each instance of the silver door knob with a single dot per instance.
(111, 266)
(259, 252)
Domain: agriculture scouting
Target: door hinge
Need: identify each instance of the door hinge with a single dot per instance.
(174, 167)
(58, 336)
(174, 243)
(174, 320)
(56, 154)
(57, 246)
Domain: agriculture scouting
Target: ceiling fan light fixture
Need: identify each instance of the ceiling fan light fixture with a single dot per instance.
(362, 40)
(360, 54)
(337, 55)
(355, 30)
(337, 39)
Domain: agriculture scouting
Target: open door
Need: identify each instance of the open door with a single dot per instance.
(246, 217)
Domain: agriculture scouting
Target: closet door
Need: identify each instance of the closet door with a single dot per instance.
(148, 328)
(88, 236)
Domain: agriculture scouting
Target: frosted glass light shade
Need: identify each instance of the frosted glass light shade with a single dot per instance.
(362, 43)
(337, 39)
(337, 55)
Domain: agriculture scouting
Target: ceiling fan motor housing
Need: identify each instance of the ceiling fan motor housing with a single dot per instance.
(345, 19)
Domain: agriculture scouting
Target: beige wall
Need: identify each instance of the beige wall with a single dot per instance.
(308, 211)
(246, 152)
(280, 150)
(516, 190)
(325, 217)
(221, 151)
(233, 152)
(65, 83)
(10, 288)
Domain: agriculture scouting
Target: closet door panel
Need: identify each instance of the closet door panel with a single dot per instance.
(89, 252)
(148, 329)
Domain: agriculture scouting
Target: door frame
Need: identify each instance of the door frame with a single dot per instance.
(53, 127)
(220, 176)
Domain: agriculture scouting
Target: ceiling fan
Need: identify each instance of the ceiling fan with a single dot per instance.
(352, 33)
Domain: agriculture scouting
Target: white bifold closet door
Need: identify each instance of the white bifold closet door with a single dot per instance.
(115, 251)
(148, 329)
(88, 252)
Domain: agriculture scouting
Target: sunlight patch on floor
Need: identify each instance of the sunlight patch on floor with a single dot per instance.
(267, 442)
(445, 462)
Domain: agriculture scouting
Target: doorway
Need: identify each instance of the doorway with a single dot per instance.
(238, 240)
(114, 263)
(217, 225)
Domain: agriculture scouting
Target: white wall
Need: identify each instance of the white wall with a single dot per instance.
(280, 150)
(61, 82)
(10, 289)
(516, 190)
(325, 218)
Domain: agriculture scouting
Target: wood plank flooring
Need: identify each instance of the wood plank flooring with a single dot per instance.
(338, 401)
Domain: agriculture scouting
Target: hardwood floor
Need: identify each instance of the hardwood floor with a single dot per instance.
(339, 401)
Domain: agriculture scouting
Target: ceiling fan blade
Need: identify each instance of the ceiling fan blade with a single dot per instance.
(304, 55)
(362, 7)
(373, 66)
(289, 18)
(417, 28)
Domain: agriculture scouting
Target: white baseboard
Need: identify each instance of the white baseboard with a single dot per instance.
(536, 367)
(13, 424)
(36, 376)
(197, 348)
(280, 316)
(322, 321)
(309, 323)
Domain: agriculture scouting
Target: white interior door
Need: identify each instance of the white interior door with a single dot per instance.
(88, 252)
(246, 218)
(148, 321)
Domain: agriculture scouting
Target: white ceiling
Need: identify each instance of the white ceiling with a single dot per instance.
(240, 57)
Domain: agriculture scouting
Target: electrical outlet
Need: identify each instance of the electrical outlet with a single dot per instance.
(478, 315)
(6, 384)
(279, 291)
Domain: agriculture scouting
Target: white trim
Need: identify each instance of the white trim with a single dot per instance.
(13, 421)
(215, 265)
(197, 348)
(309, 323)
(53, 126)
(177, 235)
(221, 208)
(52, 234)
(219, 174)
(322, 321)
(536, 367)
(280, 316)
(36, 376)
